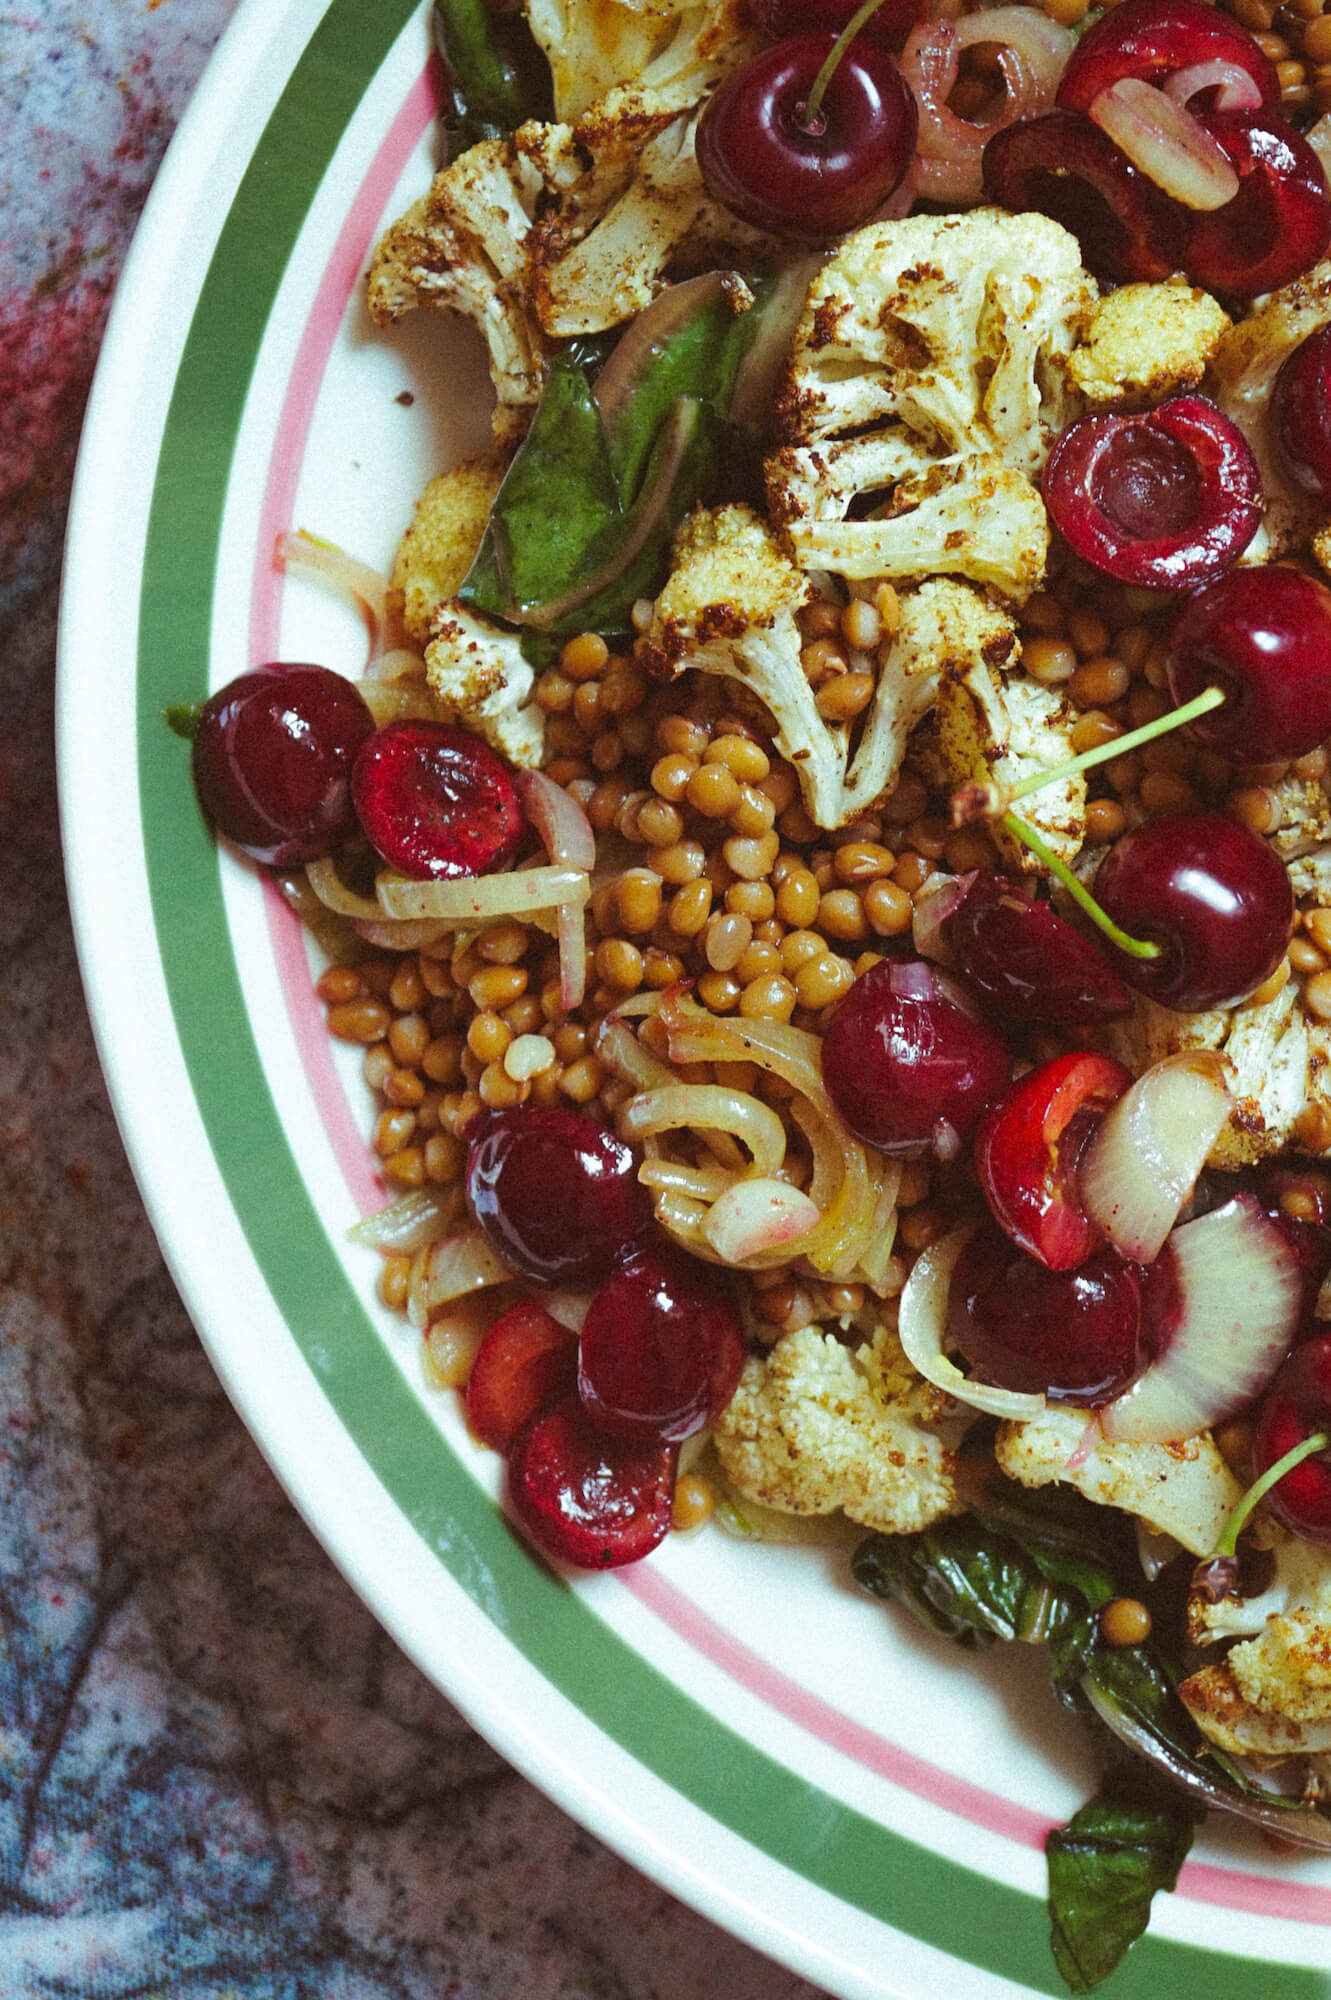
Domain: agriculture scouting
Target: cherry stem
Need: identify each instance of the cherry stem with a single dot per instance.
(1118, 746)
(1259, 1489)
(978, 801)
(813, 104)
(1023, 831)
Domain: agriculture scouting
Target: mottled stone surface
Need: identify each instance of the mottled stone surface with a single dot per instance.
(217, 1776)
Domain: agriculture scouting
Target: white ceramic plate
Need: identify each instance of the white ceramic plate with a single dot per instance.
(811, 1771)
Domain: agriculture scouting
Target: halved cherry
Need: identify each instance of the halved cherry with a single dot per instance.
(1028, 1147)
(591, 1500)
(526, 1362)
(436, 801)
(1063, 166)
(1297, 1407)
(1182, 46)
(1025, 960)
(1165, 498)
(1279, 222)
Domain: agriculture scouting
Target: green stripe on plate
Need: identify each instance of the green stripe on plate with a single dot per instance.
(1004, 1930)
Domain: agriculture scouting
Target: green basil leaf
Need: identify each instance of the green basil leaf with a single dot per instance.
(498, 77)
(558, 502)
(1105, 1867)
(962, 1578)
(702, 360)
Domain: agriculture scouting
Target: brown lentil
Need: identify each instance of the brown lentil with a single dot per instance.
(359, 1020)
(845, 697)
(768, 998)
(841, 916)
(887, 908)
(1125, 1621)
(338, 985)
(719, 991)
(691, 1503)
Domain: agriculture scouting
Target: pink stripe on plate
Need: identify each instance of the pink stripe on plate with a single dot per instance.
(1257, 1894)
(341, 278)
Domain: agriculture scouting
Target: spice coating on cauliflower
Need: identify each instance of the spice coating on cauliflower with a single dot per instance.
(1271, 1694)
(949, 335)
(437, 550)
(730, 607)
(1146, 342)
(815, 1427)
(676, 48)
(1184, 1490)
(996, 729)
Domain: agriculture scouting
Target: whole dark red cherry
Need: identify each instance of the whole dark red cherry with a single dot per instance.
(1279, 222)
(1063, 166)
(273, 754)
(1297, 1404)
(1263, 635)
(1075, 1336)
(557, 1194)
(1157, 40)
(661, 1348)
(436, 801)
(1163, 498)
(588, 1499)
(1028, 963)
(890, 24)
(762, 159)
(1028, 1148)
(1211, 894)
(907, 1066)
(1299, 415)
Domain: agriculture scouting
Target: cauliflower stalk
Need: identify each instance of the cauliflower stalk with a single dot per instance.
(731, 606)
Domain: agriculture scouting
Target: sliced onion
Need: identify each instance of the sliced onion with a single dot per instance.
(305, 555)
(473, 899)
(422, 1216)
(709, 1107)
(462, 1263)
(756, 1216)
(916, 979)
(1238, 1291)
(561, 825)
(1143, 1161)
(938, 901)
(767, 353)
(1236, 87)
(620, 1050)
(1032, 53)
(681, 425)
(389, 935)
(923, 1331)
(1169, 145)
(571, 935)
(334, 894)
(645, 337)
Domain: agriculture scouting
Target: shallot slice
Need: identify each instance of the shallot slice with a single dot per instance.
(1142, 1162)
(922, 1329)
(758, 1215)
(1032, 52)
(1236, 1296)
(1236, 88)
(1164, 140)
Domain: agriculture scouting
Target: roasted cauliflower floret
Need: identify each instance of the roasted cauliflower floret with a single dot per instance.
(968, 515)
(557, 230)
(1278, 1063)
(1145, 342)
(437, 550)
(994, 730)
(479, 678)
(957, 328)
(676, 48)
(1243, 369)
(1183, 1490)
(730, 607)
(815, 1427)
(1271, 1694)
(928, 372)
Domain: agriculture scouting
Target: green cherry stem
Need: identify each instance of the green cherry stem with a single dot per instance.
(1118, 746)
(813, 105)
(1238, 1520)
(979, 801)
(1023, 831)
